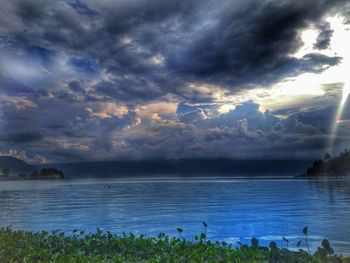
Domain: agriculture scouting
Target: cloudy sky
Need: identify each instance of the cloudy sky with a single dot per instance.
(148, 79)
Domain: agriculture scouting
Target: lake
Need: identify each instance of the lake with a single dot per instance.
(234, 208)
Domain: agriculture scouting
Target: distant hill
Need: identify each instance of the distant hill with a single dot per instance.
(182, 167)
(339, 165)
(15, 167)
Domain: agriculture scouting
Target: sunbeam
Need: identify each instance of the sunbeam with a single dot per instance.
(339, 113)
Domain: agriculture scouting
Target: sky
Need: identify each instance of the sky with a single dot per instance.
(88, 80)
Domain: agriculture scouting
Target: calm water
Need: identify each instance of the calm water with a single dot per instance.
(235, 209)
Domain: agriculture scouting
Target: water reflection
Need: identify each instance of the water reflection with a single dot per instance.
(332, 187)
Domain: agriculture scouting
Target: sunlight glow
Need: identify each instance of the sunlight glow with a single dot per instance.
(226, 108)
(299, 91)
(309, 38)
(337, 119)
(345, 94)
(339, 43)
(308, 88)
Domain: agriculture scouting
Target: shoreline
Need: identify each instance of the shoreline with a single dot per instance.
(180, 178)
(29, 178)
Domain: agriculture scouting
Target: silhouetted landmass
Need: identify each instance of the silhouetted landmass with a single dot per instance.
(47, 173)
(328, 166)
(13, 168)
(183, 167)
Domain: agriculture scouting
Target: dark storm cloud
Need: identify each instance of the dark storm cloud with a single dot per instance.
(321, 118)
(198, 40)
(72, 74)
(128, 90)
(75, 86)
(255, 48)
(21, 137)
(123, 16)
(324, 36)
(15, 88)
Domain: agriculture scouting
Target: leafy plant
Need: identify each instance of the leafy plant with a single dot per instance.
(305, 232)
(81, 247)
(287, 241)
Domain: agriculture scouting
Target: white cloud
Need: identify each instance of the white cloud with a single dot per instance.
(157, 111)
(104, 110)
(22, 155)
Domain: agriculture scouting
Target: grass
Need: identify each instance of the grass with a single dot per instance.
(24, 246)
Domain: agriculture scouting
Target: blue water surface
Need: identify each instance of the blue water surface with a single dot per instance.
(235, 209)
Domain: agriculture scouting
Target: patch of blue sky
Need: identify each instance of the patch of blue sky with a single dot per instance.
(84, 65)
(184, 108)
(45, 56)
(81, 8)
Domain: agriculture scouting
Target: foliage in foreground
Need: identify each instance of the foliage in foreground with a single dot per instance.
(23, 246)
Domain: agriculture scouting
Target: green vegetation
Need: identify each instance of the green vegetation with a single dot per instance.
(22, 246)
(339, 165)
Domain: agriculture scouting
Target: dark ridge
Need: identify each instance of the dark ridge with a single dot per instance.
(328, 166)
(15, 167)
(185, 167)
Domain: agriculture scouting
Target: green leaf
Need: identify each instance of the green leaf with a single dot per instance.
(305, 230)
(273, 245)
(325, 244)
(298, 243)
(255, 242)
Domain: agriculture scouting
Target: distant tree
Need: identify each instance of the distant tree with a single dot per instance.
(327, 156)
(50, 172)
(339, 165)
